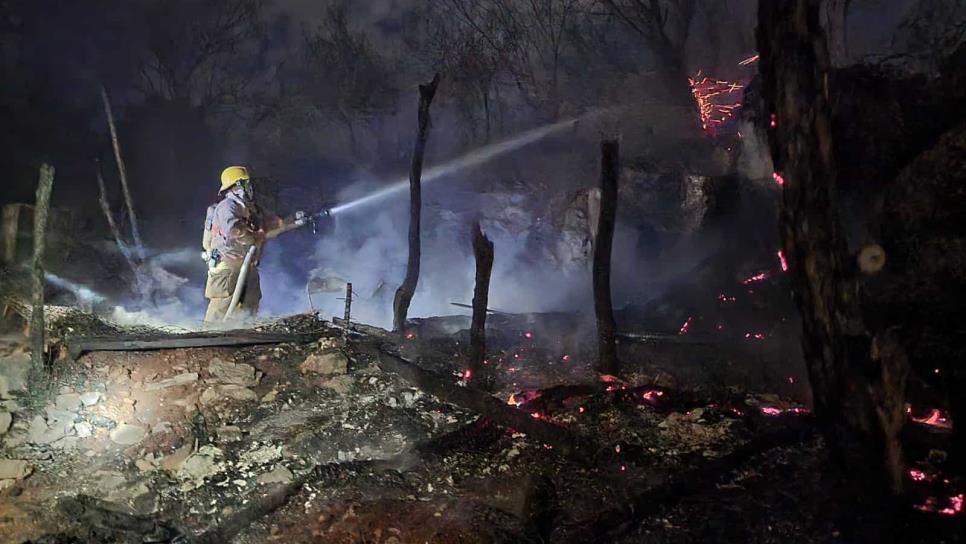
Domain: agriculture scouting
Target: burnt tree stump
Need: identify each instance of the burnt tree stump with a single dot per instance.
(404, 295)
(483, 250)
(603, 243)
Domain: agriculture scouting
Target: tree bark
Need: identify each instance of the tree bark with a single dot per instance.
(483, 250)
(404, 295)
(122, 173)
(603, 306)
(857, 401)
(37, 331)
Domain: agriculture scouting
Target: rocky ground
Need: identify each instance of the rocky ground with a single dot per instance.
(319, 442)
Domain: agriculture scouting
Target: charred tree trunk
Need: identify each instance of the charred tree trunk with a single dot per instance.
(858, 401)
(404, 295)
(603, 306)
(37, 331)
(112, 224)
(483, 250)
(122, 173)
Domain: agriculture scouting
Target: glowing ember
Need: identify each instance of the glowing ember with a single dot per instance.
(623, 468)
(917, 475)
(410, 335)
(565, 358)
(775, 411)
(467, 374)
(782, 261)
(535, 415)
(684, 328)
(755, 336)
(726, 299)
(778, 178)
(523, 397)
(934, 419)
(653, 395)
(528, 334)
(609, 378)
(617, 448)
(708, 93)
(749, 60)
(773, 121)
(954, 505)
(771, 411)
(756, 278)
(581, 409)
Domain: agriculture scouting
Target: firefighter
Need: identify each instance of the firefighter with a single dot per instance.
(233, 225)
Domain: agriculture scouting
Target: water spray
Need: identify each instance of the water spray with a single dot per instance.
(473, 158)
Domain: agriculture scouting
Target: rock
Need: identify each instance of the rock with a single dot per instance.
(227, 392)
(202, 464)
(7, 484)
(270, 396)
(102, 422)
(229, 433)
(43, 432)
(231, 373)
(180, 379)
(90, 398)
(14, 469)
(83, 429)
(278, 475)
(172, 463)
(262, 455)
(5, 421)
(127, 435)
(13, 374)
(69, 402)
(339, 384)
(326, 363)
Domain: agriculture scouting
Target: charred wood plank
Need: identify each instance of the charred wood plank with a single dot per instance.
(483, 250)
(603, 305)
(404, 295)
(80, 345)
(488, 406)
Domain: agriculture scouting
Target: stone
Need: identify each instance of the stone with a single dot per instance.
(180, 379)
(339, 384)
(14, 469)
(43, 432)
(327, 363)
(13, 374)
(126, 435)
(200, 465)
(90, 398)
(270, 396)
(172, 463)
(232, 373)
(83, 429)
(7, 484)
(229, 433)
(5, 421)
(102, 422)
(69, 402)
(278, 475)
(218, 393)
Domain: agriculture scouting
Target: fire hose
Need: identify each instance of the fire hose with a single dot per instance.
(242, 279)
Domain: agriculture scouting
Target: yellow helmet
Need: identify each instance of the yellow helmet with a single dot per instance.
(232, 175)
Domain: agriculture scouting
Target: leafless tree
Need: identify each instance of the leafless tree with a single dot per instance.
(197, 63)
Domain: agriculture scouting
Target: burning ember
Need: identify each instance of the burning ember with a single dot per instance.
(749, 60)
(755, 335)
(528, 335)
(725, 299)
(756, 278)
(774, 411)
(707, 93)
(778, 178)
(684, 328)
(773, 121)
(467, 374)
(918, 475)
(523, 397)
(934, 419)
(652, 395)
(782, 261)
(953, 507)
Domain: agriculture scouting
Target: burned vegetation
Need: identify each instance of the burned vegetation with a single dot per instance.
(721, 304)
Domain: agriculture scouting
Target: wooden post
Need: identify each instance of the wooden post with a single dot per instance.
(603, 306)
(122, 173)
(404, 295)
(483, 250)
(41, 209)
(348, 311)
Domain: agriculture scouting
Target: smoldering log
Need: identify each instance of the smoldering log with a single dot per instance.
(37, 332)
(404, 295)
(603, 305)
(483, 250)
